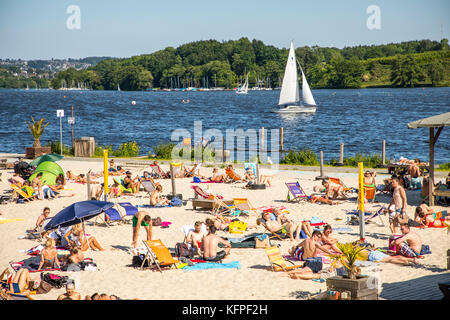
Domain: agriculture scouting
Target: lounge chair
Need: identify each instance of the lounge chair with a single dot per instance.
(341, 183)
(369, 192)
(206, 200)
(22, 193)
(297, 192)
(158, 255)
(277, 262)
(160, 173)
(233, 175)
(148, 185)
(122, 186)
(279, 235)
(117, 213)
(191, 172)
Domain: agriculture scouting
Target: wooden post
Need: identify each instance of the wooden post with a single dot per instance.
(341, 155)
(223, 150)
(262, 138)
(281, 139)
(383, 152)
(322, 176)
(431, 178)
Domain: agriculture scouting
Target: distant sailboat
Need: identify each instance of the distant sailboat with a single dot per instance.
(118, 88)
(27, 87)
(290, 91)
(244, 88)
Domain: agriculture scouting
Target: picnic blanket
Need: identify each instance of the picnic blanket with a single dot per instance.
(149, 206)
(213, 265)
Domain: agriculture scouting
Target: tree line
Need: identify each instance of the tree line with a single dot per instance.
(225, 64)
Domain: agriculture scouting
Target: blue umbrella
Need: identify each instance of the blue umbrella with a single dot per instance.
(78, 212)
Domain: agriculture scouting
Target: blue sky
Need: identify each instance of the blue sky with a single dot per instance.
(37, 29)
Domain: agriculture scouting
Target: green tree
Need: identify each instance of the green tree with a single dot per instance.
(436, 72)
(405, 72)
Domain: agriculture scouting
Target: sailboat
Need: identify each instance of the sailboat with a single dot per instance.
(118, 88)
(290, 91)
(244, 88)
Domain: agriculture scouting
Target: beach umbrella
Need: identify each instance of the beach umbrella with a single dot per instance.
(78, 212)
(46, 157)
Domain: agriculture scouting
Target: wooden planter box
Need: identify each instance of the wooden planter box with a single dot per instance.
(357, 287)
(33, 153)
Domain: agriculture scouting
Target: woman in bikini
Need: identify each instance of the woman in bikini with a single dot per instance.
(49, 255)
(81, 240)
(429, 218)
(216, 177)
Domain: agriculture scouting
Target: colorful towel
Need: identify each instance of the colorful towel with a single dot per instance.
(32, 267)
(35, 251)
(213, 265)
(10, 220)
(149, 206)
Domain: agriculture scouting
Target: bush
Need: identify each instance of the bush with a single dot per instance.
(444, 166)
(164, 151)
(369, 161)
(303, 157)
(56, 148)
(99, 150)
(127, 149)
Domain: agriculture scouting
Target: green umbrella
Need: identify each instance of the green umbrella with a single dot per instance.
(46, 157)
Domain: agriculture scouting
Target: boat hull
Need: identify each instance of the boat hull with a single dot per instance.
(296, 109)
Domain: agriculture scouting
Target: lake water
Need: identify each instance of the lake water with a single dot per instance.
(360, 119)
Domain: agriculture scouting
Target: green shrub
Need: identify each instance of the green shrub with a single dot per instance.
(302, 157)
(99, 150)
(369, 161)
(127, 149)
(164, 150)
(444, 166)
(56, 148)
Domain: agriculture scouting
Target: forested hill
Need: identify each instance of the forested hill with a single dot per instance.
(223, 64)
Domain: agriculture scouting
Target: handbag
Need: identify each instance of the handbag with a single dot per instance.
(156, 222)
(262, 241)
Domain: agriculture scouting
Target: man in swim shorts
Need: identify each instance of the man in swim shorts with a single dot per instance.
(210, 244)
(141, 218)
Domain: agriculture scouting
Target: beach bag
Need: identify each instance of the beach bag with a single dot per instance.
(44, 287)
(237, 227)
(137, 261)
(262, 241)
(392, 245)
(54, 280)
(197, 180)
(156, 222)
(176, 202)
(182, 250)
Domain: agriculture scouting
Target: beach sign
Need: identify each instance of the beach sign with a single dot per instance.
(71, 120)
(60, 113)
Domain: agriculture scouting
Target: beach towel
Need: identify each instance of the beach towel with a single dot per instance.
(165, 224)
(10, 220)
(213, 265)
(149, 206)
(31, 267)
(35, 251)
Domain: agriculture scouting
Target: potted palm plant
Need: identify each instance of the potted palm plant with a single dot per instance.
(353, 282)
(36, 129)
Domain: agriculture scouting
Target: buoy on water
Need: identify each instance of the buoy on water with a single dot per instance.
(133, 103)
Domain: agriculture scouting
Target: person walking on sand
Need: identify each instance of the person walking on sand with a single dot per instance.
(141, 219)
(399, 202)
(210, 245)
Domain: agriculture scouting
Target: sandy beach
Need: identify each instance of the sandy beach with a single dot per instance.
(254, 279)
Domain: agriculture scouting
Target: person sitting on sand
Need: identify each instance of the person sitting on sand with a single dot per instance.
(210, 246)
(430, 218)
(70, 176)
(216, 177)
(328, 241)
(194, 237)
(400, 203)
(220, 223)
(42, 217)
(17, 180)
(333, 190)
(410, 243)
(141, 219)
(316, 198)
(115, 171)
(231, 173)
(128, 182)
(49, 256)
(60, 182)
(70, 293)
(81, 240)
(156, 199)
(293, 229)
(281, 218)
(309, 248)
(36, 184)
(249, 175)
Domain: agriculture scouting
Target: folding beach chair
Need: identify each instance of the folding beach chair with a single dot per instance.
(243, 204)
(277, 262)
(117, 213)
(369, 192)
(341, 183)
(148, 185)
(233, 175)
(203, 199)
(279, 235)
(191, 172)
(158, 255)
(160, 173)
(22, 193)
(297, 192)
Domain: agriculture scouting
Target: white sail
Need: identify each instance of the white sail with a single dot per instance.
(289, 89)
(307, 96)
(244, 87)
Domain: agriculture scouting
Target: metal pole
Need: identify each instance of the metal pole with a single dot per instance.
(73, 134)
(60, 134)
(173, 180)
(362, 234)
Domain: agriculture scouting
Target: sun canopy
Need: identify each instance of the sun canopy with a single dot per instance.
(440, 120)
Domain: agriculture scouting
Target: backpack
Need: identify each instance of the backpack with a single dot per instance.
(182, 250)
(54, 280)
(156, 222)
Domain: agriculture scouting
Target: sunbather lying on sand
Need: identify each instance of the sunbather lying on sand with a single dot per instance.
(290, 227)
(17, 282)
(216, 177)
(430, 218)
(281, 218)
